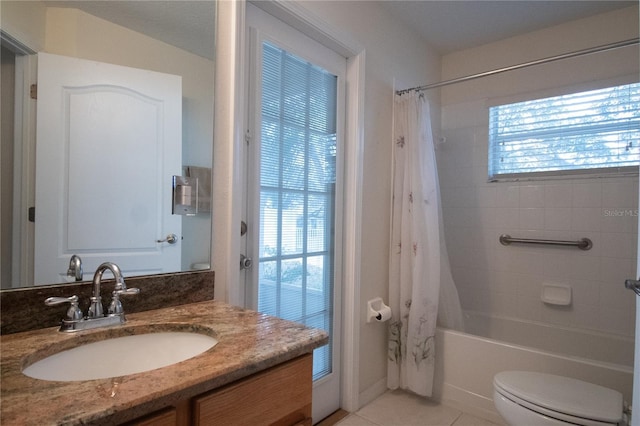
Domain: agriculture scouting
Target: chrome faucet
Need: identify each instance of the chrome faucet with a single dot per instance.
(95, 315)
(75, 267)
(95, 310)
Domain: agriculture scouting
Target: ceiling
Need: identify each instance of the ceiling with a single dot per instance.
(189, 25)
(446, 25)
(454, 25)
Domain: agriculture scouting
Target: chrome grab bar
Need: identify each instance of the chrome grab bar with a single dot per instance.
(582, 244)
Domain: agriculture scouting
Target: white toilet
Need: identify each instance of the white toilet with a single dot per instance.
(526, 398)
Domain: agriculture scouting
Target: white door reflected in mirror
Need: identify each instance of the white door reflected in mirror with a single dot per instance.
(89, 114)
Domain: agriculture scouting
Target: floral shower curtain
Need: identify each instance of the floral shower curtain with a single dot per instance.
(419, 265)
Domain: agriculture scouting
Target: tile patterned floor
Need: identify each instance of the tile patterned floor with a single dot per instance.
(397, 408)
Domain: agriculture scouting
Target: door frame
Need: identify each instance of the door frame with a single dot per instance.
(263, 27)
(24, 144)
(636, 363)
(230, 118)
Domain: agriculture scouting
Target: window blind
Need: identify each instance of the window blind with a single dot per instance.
(297, 194)
(597, 130)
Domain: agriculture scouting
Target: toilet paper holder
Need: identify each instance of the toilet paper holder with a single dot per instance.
(377, 311)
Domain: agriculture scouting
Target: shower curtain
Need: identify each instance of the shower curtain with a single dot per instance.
(419, 273)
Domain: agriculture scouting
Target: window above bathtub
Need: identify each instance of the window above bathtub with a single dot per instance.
(592, 132)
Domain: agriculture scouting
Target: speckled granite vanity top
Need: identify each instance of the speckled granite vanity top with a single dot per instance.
(248, 342)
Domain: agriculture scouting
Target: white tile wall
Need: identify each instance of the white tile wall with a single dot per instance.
(508, 281)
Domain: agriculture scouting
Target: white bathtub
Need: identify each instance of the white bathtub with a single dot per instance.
(466, 363)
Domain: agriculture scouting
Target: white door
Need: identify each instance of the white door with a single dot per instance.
(294, 188)
(100, 123)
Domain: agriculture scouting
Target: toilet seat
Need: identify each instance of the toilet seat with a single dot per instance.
(562, 398)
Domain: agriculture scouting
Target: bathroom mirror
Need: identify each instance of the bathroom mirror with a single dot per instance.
(173, 38)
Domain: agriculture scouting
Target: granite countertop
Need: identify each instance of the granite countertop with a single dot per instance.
(249, 342)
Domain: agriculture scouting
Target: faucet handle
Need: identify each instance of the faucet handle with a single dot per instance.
(73, 313)
(127, 292)
(115, 307)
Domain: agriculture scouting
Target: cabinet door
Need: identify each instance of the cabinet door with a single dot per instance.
(179, 415)
(166, 417)
(279, 396)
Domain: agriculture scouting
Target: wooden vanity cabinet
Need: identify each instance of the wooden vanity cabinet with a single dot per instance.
(279, 396)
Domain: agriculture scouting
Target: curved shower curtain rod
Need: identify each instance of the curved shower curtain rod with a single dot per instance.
(582, 52)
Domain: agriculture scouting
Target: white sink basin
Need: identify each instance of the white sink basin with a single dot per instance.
(120, 356)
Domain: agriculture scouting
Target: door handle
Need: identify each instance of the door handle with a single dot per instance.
(633, 285)
(171, 239)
